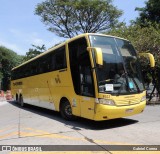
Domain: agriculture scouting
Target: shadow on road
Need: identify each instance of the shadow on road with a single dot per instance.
(80, 122)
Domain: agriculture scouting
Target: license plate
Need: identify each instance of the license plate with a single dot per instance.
(129, 110)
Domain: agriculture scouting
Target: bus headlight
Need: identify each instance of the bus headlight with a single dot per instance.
(106, 101)
(143, 98)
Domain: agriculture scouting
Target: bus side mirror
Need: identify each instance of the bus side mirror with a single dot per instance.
(150, 56)
(98, 54)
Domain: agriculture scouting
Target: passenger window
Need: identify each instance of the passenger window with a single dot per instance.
(59, 57)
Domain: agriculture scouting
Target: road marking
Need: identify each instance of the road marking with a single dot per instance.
(35, 133)
(8, 135)
(44, 134)
(7, 128)
(55, 135)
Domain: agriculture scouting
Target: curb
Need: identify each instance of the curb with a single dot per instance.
(153, 103)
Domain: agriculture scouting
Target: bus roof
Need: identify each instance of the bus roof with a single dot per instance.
(67, 41)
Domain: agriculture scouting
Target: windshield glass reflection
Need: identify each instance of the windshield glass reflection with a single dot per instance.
(120, 72)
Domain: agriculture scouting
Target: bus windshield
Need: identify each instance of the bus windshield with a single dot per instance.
(120, 72)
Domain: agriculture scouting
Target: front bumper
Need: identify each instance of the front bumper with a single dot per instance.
(106, 112)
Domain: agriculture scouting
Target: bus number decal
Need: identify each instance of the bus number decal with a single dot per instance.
(57, 79)
(106, 96)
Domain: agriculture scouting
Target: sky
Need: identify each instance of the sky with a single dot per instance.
(20, 27)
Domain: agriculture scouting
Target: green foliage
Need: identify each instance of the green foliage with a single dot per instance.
(33, 52)
(68, 18)
(1, 76)
(150, 13)
(8, 60)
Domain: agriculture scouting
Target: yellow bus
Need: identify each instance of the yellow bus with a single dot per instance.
(94, 76)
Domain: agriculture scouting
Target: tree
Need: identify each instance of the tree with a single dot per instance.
(33, 52)
(149, 13)
(68, 18)
(8, 60)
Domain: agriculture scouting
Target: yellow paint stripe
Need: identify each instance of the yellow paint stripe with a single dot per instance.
(36, 130)
(49, 135)
(29, 134)
(135, 152)
(8, 135)
(38, 133)
(7, 128)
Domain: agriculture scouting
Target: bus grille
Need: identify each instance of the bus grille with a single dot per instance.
(127, 102)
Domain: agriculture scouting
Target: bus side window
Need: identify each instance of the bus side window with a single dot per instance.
(28, 70)
(60, 59)
(34, 67)
(53, 62)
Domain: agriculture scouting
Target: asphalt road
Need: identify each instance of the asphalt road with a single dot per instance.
(36, 126)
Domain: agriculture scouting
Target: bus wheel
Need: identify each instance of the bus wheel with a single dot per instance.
(66, 110)
(21, 101)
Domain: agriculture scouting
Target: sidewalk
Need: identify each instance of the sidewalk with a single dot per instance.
(153, 102)
(2, 99)
(3, 102)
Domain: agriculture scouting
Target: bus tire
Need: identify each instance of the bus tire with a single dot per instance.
(21, 101)
(66, 110)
